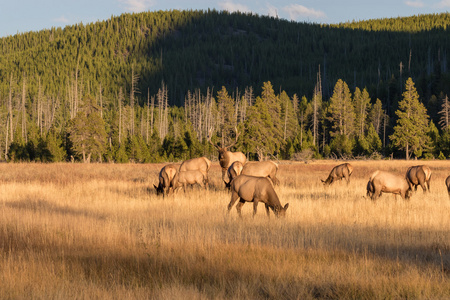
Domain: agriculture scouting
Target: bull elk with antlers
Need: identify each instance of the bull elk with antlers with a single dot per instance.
(226, 158)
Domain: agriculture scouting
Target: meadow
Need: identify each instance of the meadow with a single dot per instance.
(98, 231)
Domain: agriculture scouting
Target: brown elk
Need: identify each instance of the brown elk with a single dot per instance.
(233, 171)
(200, 163)
(166, 176)
(385, 182)
(419, 175)
(226, 158)
(339, 172)
(447, 183)
(262, 169)
(255, 189)
(184, 178)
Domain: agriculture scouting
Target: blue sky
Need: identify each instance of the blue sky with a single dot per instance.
(18, 16)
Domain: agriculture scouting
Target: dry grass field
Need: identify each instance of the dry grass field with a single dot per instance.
(98, 231)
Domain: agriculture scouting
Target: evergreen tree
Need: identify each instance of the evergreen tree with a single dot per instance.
(361, 101)
(341, 110)
(410, 133)
(259, 136)
(87, 131)
(272, 102)
(227, 116)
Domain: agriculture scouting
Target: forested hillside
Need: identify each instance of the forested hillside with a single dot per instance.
(153, 86)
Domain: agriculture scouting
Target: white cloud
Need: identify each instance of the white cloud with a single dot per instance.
(137, 5)
(297, 10)
(232, 7)
(443, 4)
(272, 11)
(415, 3)
(61, 19)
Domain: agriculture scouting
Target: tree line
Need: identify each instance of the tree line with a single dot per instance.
(143, 87)
(269, 125)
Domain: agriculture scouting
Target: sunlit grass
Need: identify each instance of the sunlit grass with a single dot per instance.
(98, 231)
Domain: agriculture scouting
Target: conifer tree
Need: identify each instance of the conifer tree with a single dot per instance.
(341, 109)
(304, 111)
(361, 101)
(410, 133)
(227, 116)
(87, 131)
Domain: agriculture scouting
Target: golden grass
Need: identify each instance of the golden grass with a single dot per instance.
(98, 231)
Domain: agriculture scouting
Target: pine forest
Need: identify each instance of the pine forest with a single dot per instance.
(166, 85)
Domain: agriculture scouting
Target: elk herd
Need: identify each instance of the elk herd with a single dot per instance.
(254, 181)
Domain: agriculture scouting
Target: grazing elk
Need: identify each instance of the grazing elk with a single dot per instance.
(184, 178)
(419, 175)
(338, 173)
(226, 158)
(385, 182)
(200, 163)
(255, 189)
(166, 176)
(447, 183)
(262, 169)
(233, 171)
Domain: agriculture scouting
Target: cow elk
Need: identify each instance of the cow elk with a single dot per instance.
(226, 158)
(419, 175)
(385, 182)
(262, 169)
(339, 172)
(233, 171)
(197, 164)
(255, 189)
(166, 176)
(184, 178)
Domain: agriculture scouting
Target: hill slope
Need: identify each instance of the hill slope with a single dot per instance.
(200, 49)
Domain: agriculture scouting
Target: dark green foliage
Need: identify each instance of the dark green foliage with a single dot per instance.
(87, 132)
(410, 132)
(199, 50)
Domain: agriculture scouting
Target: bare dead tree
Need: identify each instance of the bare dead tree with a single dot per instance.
(23, 109)
(317, 99)
(444, 120)
(163, 107)
(147, 122)
(100, 92)
(10, 110)
(120, 100)
(152, 108)
(133, 91)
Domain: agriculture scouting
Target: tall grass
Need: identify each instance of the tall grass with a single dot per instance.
(98, 231)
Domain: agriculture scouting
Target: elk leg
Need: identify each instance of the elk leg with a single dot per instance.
(234, 197)
(376, 194)
(239, 207)
(206, 181)
(255, 206)
(267, 210)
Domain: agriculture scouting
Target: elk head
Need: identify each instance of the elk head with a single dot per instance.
(223, 150)
(159, 189)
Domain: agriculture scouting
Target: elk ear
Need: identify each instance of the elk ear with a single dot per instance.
(156, 188)
(286, 206)
(322, 180)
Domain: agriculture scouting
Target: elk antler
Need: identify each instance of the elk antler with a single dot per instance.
(209, 139)
(237, 136)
